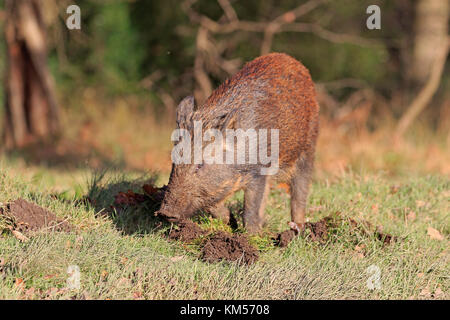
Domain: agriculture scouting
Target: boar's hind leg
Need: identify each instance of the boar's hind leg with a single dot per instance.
(220, 212)
(254, 203)
(299, 191)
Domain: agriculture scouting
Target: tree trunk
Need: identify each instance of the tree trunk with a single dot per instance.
(31, 110)
(430, 33)
(425, 95)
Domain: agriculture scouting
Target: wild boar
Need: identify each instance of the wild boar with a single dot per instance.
(272, 92)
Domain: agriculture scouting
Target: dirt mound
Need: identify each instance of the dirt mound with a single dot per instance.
(231, 247)
(26, 216)
(317, 231)
(218, 246)
(285, 237)
(186, 231)
(385, 238)
(321, 230)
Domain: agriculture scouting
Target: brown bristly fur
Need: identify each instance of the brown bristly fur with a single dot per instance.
(274, 91)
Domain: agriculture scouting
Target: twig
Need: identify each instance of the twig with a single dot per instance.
(228, 10)
(325, 34)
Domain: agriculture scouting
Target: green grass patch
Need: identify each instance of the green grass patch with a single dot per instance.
(126, 255)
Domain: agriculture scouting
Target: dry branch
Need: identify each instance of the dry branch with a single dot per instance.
(208, 54)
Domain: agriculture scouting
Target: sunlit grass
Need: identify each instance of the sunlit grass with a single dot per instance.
(127, 255)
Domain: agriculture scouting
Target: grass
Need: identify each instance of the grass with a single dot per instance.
(127, 256)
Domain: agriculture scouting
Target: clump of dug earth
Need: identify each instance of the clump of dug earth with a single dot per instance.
(217, 246)
(231, 247)
(186, 231)
(321, 231)
(23, 217)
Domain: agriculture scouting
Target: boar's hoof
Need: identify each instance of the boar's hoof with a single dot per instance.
(297, 227)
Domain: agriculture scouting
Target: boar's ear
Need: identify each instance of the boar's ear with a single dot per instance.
(185, 111)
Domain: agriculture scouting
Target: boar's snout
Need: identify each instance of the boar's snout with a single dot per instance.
(167, 215)
(173, 211)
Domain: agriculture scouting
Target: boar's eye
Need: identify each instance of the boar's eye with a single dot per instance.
(198, 167)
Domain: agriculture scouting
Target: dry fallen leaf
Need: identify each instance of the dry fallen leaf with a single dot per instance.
(30, 292)
(394, 189)
(19, 236)
(173, 282)
(176, 258)
(438, 293)
(411, 216)
(149, 189)
(104, 275)
(375, 208)
(79, 240)
(128, 198)
(434, 234)
(123, 282)
(315, 208)
(425, 293)
(19, 283)
(420, 203)
(52, 292)
(359, 251)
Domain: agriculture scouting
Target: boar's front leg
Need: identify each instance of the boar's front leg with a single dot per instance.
(254, 203)
(220, 212)
(299, 191)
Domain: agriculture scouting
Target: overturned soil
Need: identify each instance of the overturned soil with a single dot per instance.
(186, 231)
(27, 216)
(321, 231)
(234, 246)
(285, 237)
(231, 247)
(218, 246)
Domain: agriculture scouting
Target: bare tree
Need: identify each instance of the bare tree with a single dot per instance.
(31, 109)
(426, 93)
(430, 31)
(429, 55)
(209, 59)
